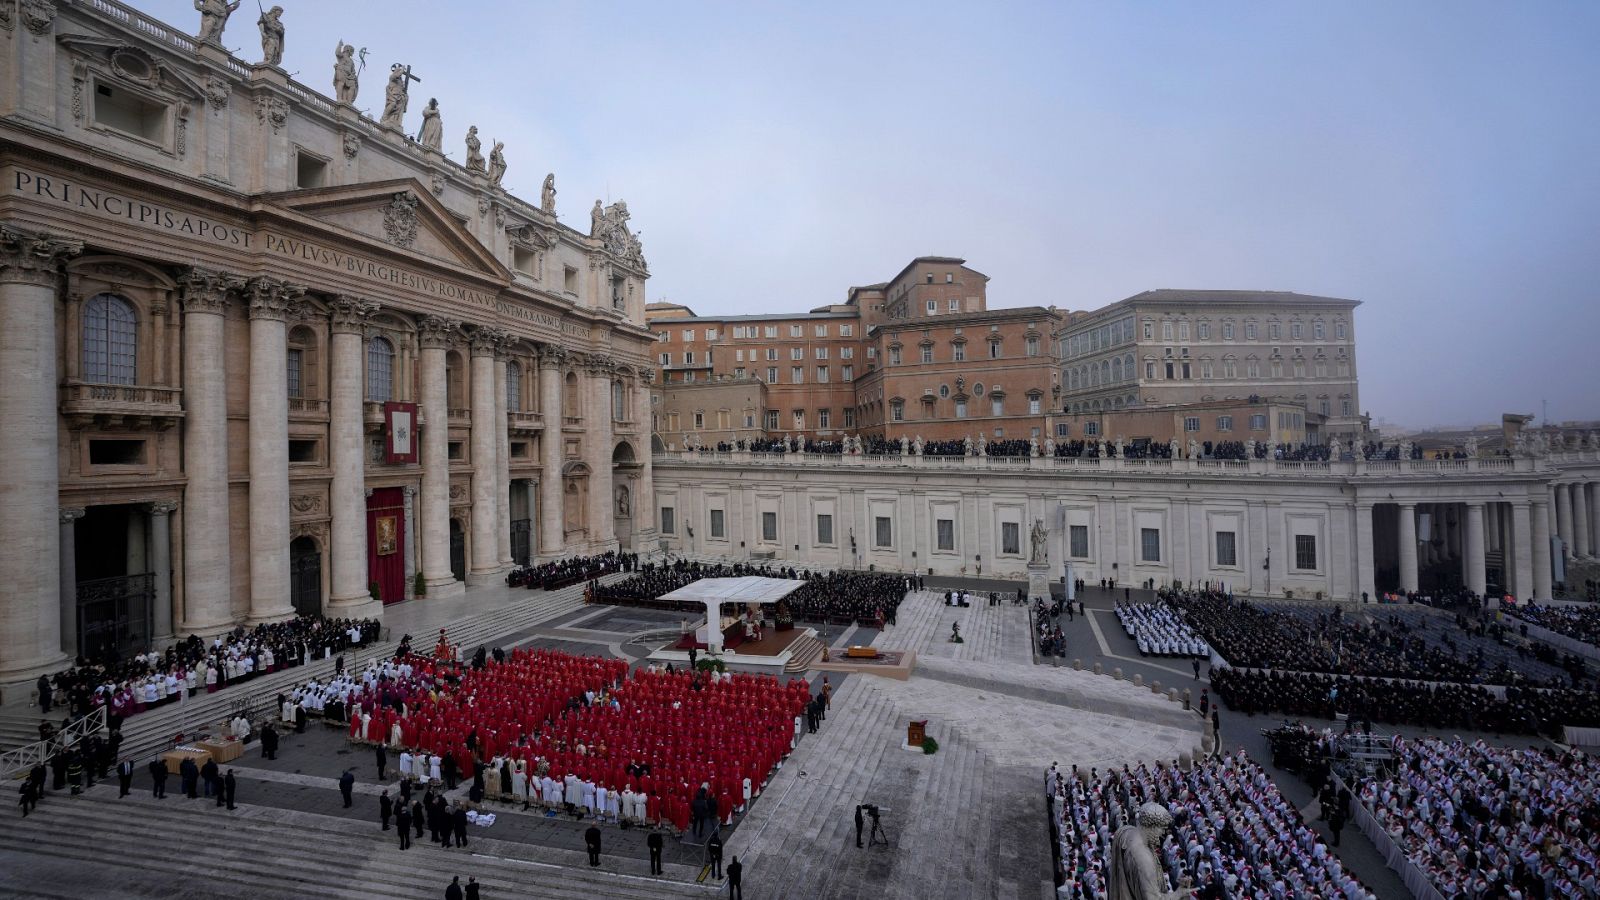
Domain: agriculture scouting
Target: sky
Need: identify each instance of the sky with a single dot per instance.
(1438, 161)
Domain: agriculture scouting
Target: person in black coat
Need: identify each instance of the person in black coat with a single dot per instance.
(208, 774)
(269, 741)
(158, 779)
(44, 694)
(458, 821)
(735, 872)
(591, 842)
(654, 842)
(453, 892)
(472, 888)
(385, 810)
(714, 854)
(189, 775)
(29, 797)
(447, 769)
(419, 818)
(402, 823)
(124, 777)
(299, 720)
(347, 783)
(859, 823)
(229, 785)
(383, 762)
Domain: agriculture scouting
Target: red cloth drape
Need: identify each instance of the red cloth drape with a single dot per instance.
(388, 570)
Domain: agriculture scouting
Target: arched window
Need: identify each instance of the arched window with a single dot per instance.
(380, 369)
(1116, 369)
(619, 404)
(110, 343)
(569, 397)
(514, 386)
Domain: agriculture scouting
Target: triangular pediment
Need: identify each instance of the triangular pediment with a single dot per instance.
(400, 213)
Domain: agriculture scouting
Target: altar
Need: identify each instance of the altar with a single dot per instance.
(742, 640)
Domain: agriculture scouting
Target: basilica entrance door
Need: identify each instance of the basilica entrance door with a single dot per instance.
(458, 551)
(305, 576)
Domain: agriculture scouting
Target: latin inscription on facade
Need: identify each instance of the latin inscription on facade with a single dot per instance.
(114, 206)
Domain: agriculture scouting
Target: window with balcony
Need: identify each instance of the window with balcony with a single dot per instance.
(110, 340)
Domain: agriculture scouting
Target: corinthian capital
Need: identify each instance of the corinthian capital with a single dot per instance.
(33, 257)
(206, 291)
(486, 341)
(552, 356)
(350, 314)
(437, 332)
(271, 298)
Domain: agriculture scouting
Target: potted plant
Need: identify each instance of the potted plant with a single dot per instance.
(372, 589)
(419, 587)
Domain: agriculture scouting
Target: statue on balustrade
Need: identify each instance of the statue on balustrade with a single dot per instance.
(271, 23)
(213, 18)
(432, 134)
(346, 77)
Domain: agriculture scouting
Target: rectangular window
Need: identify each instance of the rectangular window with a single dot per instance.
(1203, 331)
(822, 353)
(894, 356)
(849, 417)
(847, 353)
(772, 354)
(770, 420)
(1305, 552)
(1149, 331)
(824, 417)
(882, 532)
(1011, 538)
(116, 453)
(688, 357)
(669, 522)
(933, 307)
(799, 420)
(688, 334)
(994, 349)
(848, 373)
(955, 304)
(847, 330)
(738, 372)
(295, 361)
(1344, 407)
(699, 421)
(997, 406)
(797, 353)
(1166, 331)
(1224, 423)
(797, 331)
(1091, 429)
(945, 534)
(1150, 544)
(769, 527)
(718, 524)
(1079, 536)
(1227, 331)
(1319, 330)
(1339, 330)
(1249, 331)
(738, 356)
(1227, 552)
(666, 359)
(770, 331)
(1150, 371)
(1275, 331)
(310, 171)
(1063, 429)
(927, 353)
(897, 411)
(820, 331)
(130, 114)
(772, 374)
(1191, 423)
(797, 374)
(1035, 404)
(961, 409)
(1183, 331)
(824, 528)
(1031, 346)
(958, 352)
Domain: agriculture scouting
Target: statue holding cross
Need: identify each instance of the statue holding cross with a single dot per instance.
(397, 96)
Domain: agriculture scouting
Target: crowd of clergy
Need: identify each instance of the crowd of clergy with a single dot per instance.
(1234, 835)
(129, 686)
(577, 735)
(1159, 630)
(1488, 822)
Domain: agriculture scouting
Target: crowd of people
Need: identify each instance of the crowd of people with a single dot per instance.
(1581, 623)
(581, 735)
(865, 598)
(1234, 835)
(1159, 630)
(562, 573)
(1432, 704)
(1490, 822)
(128, 686)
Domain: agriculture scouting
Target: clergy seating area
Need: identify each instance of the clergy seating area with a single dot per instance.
(1581, 623)
(1482, 821)
(553, 576)
(1234, 834)
(841, 598)
(1159, 630)
(549, 715)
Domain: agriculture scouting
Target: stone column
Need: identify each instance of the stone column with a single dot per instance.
(436, 333)
(1541, 551)
(1408, 546)
(1519, 559)
(1495, 525)
(502, 443)
(411, 541)
(207, 560)
(69, 578)
(1564, 518)
(30, 556)
(644, 505)
(485, 461)
(348, 595)
(1364, 563)
(1594, 518)
(552, 536)
(161, 568)
(269, 448)
(1580, 520)
(598, 441)
(1476, 577)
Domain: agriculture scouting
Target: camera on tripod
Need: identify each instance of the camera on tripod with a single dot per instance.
(871, 809)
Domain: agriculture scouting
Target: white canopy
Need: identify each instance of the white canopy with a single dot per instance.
(714, 592)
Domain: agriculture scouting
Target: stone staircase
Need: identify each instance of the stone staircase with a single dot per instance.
(989, 633)
(136, 846)
(803, 653)
(153, 731)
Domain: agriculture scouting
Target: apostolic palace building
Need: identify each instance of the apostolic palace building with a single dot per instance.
(261, 353)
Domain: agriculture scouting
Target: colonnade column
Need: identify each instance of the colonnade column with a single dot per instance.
(1476, 578)
(1408, 546)
(68, 548)
(207, 559)
(1364, 567)
(348, 595)
(1564, 519)
(644, 505)
(269, 448)
(1541, 551)
(1580, 520)
(485, 460)
(502, 436)
(161, 568)
(552, 537)
(434, 334)
(598, 441)
(30, 555)
(1519, 561)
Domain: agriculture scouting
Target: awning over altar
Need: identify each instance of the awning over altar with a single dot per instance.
(747, 589)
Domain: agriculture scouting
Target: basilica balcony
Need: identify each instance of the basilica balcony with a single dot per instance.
(372, 414)
(460, 415)
(303, 408)
(572, 421)
(524, 422)
(120, 405)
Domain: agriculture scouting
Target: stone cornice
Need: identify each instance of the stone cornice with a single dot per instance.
(206, 290)
(33, 257)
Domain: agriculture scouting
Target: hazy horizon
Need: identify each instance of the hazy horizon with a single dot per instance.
(1435, 161)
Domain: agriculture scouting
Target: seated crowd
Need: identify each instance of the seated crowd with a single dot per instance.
(1233, 835)
(867, 599)
(560, 573)
(132, 685)
(1581, 623)
(1489, 822)
(1159, 630)
(570, 733)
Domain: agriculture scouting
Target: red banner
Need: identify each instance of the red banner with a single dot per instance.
(400, 435)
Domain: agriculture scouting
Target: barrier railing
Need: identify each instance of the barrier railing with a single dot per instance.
(26, 757)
